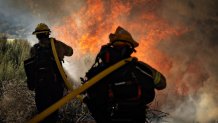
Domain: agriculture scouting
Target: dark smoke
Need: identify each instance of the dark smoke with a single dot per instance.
(19, 17)
(14, 18)
(194, 56)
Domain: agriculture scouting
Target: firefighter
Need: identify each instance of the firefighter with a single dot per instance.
(48, 85)
(122, 96)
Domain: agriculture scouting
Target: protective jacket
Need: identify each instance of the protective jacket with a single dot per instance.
(62, 49)
(123, 95)
(45, 77)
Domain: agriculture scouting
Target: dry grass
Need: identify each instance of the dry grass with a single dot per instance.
(17, 106)
(12, 56)
(17, 103)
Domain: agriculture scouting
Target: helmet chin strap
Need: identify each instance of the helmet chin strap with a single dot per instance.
(42, 36)
(43, 39)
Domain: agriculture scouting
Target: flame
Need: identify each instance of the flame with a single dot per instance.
(87, 29)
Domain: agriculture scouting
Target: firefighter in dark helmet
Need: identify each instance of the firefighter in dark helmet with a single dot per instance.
(48, 83)
(122, 96)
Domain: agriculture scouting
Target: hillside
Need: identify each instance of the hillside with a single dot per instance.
(16, 101)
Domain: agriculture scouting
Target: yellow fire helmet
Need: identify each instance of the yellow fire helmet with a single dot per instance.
(123, 36)
(41, 28)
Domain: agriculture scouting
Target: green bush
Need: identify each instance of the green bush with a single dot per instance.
(12, 55)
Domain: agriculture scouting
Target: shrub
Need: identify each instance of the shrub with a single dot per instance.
(12, 55)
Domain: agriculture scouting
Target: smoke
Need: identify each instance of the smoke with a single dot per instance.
(18, 18)
(88, 28)
(178, 37)
(193, 74)
(15, 20)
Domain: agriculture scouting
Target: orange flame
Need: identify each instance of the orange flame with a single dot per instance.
(87, 29)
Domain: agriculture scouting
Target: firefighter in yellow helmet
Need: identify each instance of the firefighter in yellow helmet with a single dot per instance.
(47, 83)
(122, 96)
(41, 28)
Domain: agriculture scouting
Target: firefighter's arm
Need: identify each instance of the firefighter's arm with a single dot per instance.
(158, 78)
(63, 50)
(68, 51)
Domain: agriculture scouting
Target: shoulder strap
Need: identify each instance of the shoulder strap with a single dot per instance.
(60, 68)
(104, 49)
(97, 59)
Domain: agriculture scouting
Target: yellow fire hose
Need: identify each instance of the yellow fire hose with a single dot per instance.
(60, 68)
(77, 91)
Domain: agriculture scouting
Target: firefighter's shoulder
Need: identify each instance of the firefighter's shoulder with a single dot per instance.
(33, 49)
(61, 46)
(158, 78)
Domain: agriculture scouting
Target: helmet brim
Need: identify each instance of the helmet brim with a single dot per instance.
(39, 32)
(117, 37)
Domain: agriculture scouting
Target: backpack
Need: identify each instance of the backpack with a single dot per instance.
(41, 70)
(130, 82)
(125, 90)
(29, 66)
